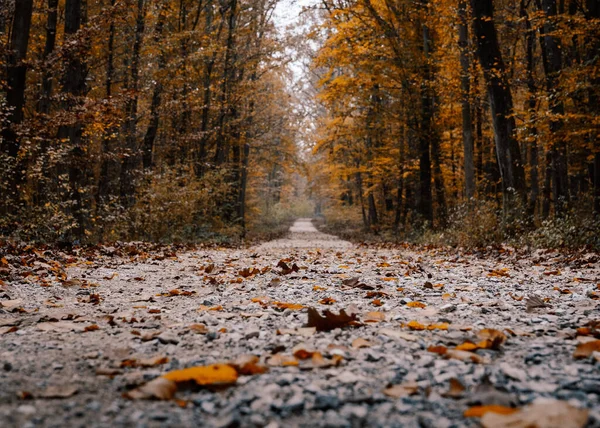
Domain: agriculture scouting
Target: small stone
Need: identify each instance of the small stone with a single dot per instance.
(324, 401)
(252, 333)
(167, 338)
(7, 366)
(447, 308)
(27, 409)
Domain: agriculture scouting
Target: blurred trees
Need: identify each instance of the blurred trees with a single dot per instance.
(137, 118)
(434, 106)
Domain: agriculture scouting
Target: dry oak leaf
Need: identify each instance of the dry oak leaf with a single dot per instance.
(584, 350)
(403, 390)
(377, 302)
(541, 414)
(214, 374)
(331, 321)
(157, 389)
(416, 305)
(479, 411)
(327, 301)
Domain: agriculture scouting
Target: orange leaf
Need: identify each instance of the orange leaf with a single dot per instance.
(415, 325)
(584, 350)
(479, 411)
(222, 374)
(416, 305)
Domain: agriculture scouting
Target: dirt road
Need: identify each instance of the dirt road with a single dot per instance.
(427, 335)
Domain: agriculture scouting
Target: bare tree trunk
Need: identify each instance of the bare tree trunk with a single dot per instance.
(553, 66)
(74, 84)
(130, 163)
(16, 80)
(465, 83)
(46, 92)
(501, 103)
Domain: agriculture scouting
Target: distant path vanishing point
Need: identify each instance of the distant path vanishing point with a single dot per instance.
(303, 234)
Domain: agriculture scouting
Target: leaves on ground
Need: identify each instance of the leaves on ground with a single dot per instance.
(330, 321)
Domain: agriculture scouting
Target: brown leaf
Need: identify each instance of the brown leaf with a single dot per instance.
(158, 389)
(374, 317)
(403, 390)
(331, 321)
(546, 414)
(584, 350)
(463, 356)
(361, 343)
(479, 411)
(534, 302)
(198, 328)
(456, 389)
(214, 374)
(327, 301)
(62, 391)
(247, 365)
(491, 339)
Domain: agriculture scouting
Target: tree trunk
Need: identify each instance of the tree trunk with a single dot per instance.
(552, 60)
(129, 167)
(501, 103)
(465, 84)
(74, 85)
(46, 92)
(152, 130)
(16, 80)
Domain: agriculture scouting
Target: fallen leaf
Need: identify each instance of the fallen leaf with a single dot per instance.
(248, 365)
(327, 301)
(416, 305)
(534, 302)
(438, 326)
(63, 391)
(503, 272)
(361, 343)
(479, 411)
(402, 390)
(282, 360)
(543, 414)
(584, 350)
(159, 389)
(92, 327)
(374, 317)
(331, 321)
(214, 374)
(491, 338)
(198, 328)
(291, 306)
(455, 390)
(415, 325)
(438, 349)
(377, 302)
(463, 356)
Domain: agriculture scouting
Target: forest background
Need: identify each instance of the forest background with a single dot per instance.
(454, 122)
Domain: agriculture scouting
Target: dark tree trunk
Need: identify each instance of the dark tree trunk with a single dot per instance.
(501, 102)
(593, 12)
(130, 164)
(425, 204)
(152, 130)
(16, 79)
(552, 56)
(465, 84)
(532, 131)
(46, 92)
(74, 85)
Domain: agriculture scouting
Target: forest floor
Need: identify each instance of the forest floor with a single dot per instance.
(428, 337)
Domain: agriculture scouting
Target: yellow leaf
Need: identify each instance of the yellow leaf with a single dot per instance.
(221, 374)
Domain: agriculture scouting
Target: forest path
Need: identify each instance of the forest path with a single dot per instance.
(303, 234)
(77, 331)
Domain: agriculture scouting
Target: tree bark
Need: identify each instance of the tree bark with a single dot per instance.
(130, 164)
(46, 92)
(465, 84)
(16, 80)
(501, 103)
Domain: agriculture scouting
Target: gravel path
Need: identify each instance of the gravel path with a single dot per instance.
(71, 346)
